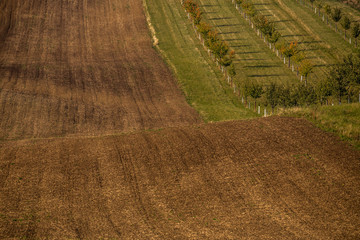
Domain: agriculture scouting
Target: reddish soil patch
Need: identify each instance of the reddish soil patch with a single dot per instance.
(82, 67)
(274, 178)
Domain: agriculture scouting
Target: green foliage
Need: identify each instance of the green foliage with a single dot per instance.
(336, 14)
(319, 5)
(290, 50)
(211, 38)
(339, 81)
(267, 28)
(227, 59)
(323, 91)
(272, 96)
(327, 9)
(306, 68)
(260, 21)
(204, 29)
(256, 90)
(355, 32)
(306, 95)
(346, 23)
(232, 71)
(246, 90)
(249, 8)
(285, 96)
(217, 46)
(299, 57)
(274, 36)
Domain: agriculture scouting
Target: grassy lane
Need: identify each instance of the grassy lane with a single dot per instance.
(202, 83)
(254, 62)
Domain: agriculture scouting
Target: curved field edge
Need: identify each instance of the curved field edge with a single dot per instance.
(204, 86)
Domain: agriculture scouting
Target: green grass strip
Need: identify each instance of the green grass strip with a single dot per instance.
(203, 84)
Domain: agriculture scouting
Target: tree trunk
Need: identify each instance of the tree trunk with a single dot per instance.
(335, 27)
(356, 42)
(289, 62)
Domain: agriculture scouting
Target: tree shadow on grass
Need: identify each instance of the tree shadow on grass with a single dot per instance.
(280, 21)
(233, 39)
(295, 35)
(249, 59)
(228, 25)
(312, 41)
(265, 9)
(260, 4)
(220, 18)
(224, 33)
(312, 49)
(240, 46)
(324, 65)
(209, 5)
(210, 12)
(262, 66)
(248, 52)
(265, 75)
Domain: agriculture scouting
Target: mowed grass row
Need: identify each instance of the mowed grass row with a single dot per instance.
(320, 43)
(254, 61)
(203, 84)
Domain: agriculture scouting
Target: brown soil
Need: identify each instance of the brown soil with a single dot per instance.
(273, 178)
(82, 67)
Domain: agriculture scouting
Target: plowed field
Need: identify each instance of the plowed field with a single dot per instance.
(71, 69)
(271, 178)
(82, 67)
